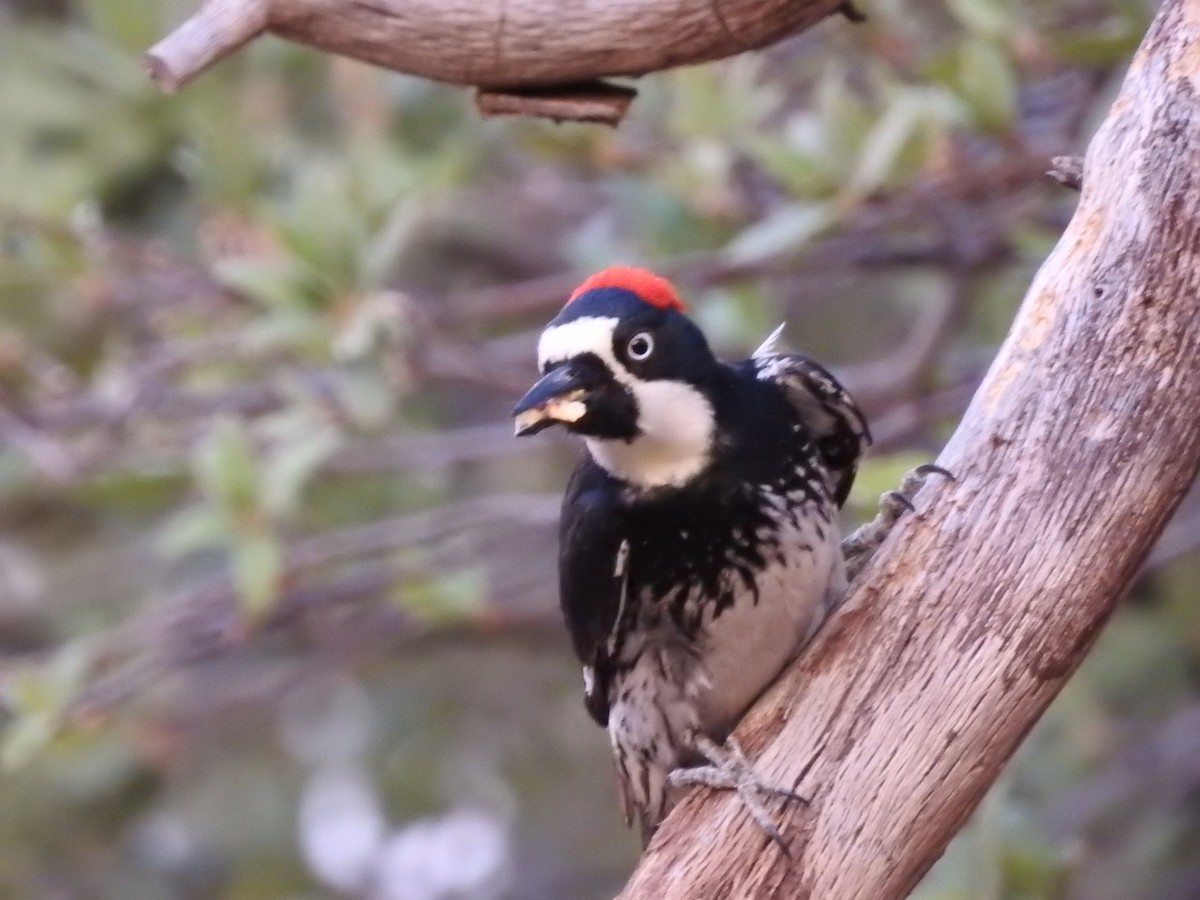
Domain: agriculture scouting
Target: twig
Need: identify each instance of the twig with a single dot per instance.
(434, 449)
(219, 28)
(1067, 171)
(51, 459)
(888, 381)
(203, 620)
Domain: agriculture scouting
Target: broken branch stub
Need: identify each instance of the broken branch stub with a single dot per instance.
(218, 29)
(598, 102)
(500, 46)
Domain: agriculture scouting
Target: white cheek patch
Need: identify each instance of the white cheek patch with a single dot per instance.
(675, 445)
(676, 421)
(590, 334)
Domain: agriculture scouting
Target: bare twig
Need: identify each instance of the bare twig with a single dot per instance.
(50, 458)
(887, 382)
(321, 574)
(439, 449)
(219, 28)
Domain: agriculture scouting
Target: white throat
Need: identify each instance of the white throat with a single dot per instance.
(676, 441)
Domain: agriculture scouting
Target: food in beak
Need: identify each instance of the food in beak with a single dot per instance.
(567, 408)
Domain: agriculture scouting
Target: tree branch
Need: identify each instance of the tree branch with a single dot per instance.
(502, 46)
(1075, 450)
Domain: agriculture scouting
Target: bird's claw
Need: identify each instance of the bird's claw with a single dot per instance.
(728, 769)
(860, 546)
(926, 469)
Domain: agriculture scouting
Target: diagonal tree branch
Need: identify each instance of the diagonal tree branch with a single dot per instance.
(544, 56)
(1075, 450)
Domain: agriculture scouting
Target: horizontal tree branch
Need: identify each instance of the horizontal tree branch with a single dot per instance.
(1074, 452)
(503, 46)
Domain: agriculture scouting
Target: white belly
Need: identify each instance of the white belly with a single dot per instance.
(748, 645)
(673, 689)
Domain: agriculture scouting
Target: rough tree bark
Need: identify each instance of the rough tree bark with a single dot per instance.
(1073, 454)
(541, 56)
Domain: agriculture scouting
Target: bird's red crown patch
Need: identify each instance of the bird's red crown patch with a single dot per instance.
(654, 289)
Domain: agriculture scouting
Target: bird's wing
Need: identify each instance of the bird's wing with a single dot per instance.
(592, 559)
(826, 408)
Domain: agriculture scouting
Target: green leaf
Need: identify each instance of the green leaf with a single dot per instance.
(735, 315)
(277, 283)
(127, 25)
(365, 395)
(721, 100)
(226, 468)
(324, 227)
(287, 331)
(1109, 41)
(801, 173)
(193, 530)
(785, 230)
(291, 466)
(886, 143)
(26, 738)
(257, 568)
(988, 82)
(445, 598)
(38, 696)
(994, 18)
(135, 490)
(842, 123)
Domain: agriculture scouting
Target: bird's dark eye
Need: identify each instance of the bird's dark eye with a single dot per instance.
(640, 346)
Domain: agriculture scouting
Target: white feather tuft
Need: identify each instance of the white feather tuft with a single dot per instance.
(767, 348)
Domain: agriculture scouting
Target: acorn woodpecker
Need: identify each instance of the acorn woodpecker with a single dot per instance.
(699, 543)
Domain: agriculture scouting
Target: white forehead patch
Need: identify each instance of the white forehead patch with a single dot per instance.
(589, 334)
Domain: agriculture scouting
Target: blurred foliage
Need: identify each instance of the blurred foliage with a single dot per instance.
(268, 559)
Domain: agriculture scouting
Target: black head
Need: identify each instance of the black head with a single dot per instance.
(620, 347)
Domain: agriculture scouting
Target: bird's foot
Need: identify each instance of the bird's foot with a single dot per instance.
(730, 770)
(861, 545)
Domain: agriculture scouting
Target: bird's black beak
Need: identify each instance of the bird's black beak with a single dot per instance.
(557, 397)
